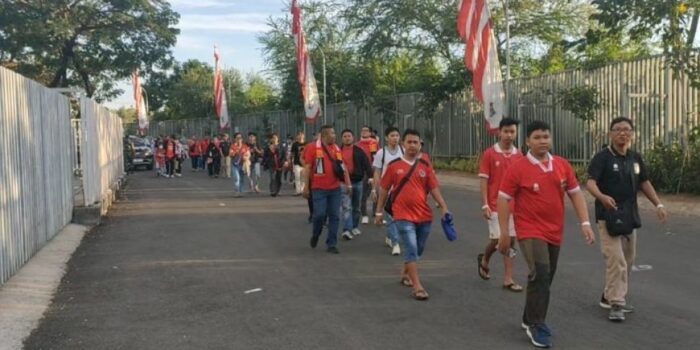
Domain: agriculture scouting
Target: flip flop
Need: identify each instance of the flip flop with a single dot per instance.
(421, 295)
(405, 281)
(485, 274)
(513, 287)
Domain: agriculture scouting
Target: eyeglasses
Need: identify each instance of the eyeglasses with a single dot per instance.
(622, 130)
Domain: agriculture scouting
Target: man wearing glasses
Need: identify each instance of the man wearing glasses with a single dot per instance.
(615, 176)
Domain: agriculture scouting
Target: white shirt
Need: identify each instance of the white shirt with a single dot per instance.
(387, 159)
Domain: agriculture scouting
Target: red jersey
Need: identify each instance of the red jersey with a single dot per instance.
(193, 147)
(323, 177)
(538, 191)
(494, 164)
(348, 158)
(170, 149)
(202, 145)
(370, 146)
(412, 202)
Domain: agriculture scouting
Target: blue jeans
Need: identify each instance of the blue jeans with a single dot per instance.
(326, 204)
(392, 232)
(413, 238)
(351, 207)
(238, 178)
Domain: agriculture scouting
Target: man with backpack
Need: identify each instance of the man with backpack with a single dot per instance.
(403, 193)
(359, 168)
(616, 174)
(386, 155)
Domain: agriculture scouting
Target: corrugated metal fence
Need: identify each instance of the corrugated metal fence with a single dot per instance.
(101, 151)
(36, 200)
(663, 108)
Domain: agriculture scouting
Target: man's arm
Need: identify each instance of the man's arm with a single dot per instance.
(593, 189)
(437, 196)
(484, 185)
(649, 191)
(306, 178)
(581, 208)
(381, 200)
(503, 223)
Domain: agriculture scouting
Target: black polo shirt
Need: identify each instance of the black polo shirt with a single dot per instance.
(614, 174)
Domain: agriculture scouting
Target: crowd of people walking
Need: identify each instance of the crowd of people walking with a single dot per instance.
(349, 180)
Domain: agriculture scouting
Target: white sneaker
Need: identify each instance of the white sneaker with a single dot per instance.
(178, 175)
(396, 250)
(356, 232)
(387, 241)
(365, 220)
(347, 236)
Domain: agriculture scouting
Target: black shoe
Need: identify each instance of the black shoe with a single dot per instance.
(314, 241)
(605, 304)
(333, 250)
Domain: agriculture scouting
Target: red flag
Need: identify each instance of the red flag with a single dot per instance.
(220, 106)
(307, 81)
(475, 28)
(141, 104)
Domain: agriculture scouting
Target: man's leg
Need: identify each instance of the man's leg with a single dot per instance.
(366, 189)
(333, 209)
(346, 211)
(409, 244)
(319, 211)
(541, 259)
(272, 181)
(356, 203)
(392, 232)
(236, 180)
(616, 268)
(278, 182)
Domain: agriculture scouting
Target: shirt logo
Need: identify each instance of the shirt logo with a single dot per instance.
(536, 187)
(616, 167)
(498, 163)
(636, 168)
(399, 172)
(421, 173)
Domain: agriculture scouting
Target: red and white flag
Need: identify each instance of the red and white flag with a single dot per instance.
(220, 106)
(140, 103)
(307, 81)
(475, 27)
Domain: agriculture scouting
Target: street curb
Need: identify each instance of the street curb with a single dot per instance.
(27, 295)
(674, 205)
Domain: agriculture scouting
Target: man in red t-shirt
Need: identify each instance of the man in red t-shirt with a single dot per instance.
(370, 146)
(359, 169)
(537, 184)
(494, 163)
(195, 153)
(323, 169)
(408, 180)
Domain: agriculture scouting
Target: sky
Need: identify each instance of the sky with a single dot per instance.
(232, 25)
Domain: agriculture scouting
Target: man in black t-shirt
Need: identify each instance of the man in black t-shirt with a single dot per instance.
(615, 176)
(297, 155)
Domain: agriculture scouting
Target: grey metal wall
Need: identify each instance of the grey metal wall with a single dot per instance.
(36, 200)
(662, 107)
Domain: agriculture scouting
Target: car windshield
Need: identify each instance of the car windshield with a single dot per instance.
(138, 142)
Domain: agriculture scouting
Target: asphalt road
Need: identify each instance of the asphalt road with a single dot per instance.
(170, 265)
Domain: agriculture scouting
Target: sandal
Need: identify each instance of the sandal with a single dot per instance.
(405, 281)
(420, 294)
(483, 271)
(513, 287)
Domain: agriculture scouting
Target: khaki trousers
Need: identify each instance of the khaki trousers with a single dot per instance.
(619, 253)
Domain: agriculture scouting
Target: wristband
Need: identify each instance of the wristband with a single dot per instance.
(586, 223)
(485, 206)
(378, 214)
(659, 206)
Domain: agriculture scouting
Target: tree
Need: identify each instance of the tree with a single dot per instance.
(90, 44)
(127, 114)
(259, 94)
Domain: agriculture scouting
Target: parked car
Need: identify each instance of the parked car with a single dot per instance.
(143, 153)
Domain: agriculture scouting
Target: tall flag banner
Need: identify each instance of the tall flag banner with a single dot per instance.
(307, 81)
(475, 28)
(140, 103)
(220, 106)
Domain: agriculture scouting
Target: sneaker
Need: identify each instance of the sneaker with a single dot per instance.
(396, 250)
(356, 232)
(333, 250)
(538, 336)
(314, 241)
(365, 220)
(347, 236)
(178, 175)
(606, 305)
(543, 326)
(616, 314)
(387, 241)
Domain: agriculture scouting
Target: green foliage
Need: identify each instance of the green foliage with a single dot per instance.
(582, 101)
(673, 168)
(468, 165)
(128, 115)
(90, 44)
